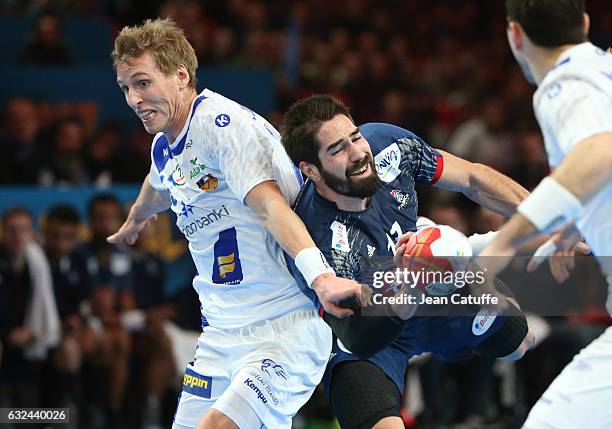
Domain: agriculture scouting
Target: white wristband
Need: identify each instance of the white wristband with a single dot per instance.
(550, 205)
(312, 264)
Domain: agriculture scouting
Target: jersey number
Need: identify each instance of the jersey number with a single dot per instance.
(396, 232)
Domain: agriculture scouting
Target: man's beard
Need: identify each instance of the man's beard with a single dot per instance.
(363, 188)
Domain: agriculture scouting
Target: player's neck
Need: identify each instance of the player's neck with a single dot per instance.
(343, 202)
(545, 60)
(182, 114)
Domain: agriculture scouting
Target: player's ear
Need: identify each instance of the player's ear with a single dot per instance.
(586, 24)
(515, 34)
(309, 170)
(183, 76)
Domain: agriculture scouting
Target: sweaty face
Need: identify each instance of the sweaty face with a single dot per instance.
(151, 94)
(347, 165)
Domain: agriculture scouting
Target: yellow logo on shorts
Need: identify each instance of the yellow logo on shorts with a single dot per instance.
(197, 384)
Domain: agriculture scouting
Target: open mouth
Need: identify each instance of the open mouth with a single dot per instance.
(360, 172)
(147, 115)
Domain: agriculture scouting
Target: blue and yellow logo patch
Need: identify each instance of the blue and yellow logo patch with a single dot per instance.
(197, 384)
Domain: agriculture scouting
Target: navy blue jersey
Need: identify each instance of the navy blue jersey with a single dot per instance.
(350, 239)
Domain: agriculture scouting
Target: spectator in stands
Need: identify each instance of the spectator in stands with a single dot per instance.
(485, 138)
(106, 163)
(20, 155)
(29, 323)
(106, 344)
(65, 164)
(46, 46)
(71, 287)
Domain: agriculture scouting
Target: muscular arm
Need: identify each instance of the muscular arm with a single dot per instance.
(482, 184)
(268, 203)
(149, 201)
(585, 170)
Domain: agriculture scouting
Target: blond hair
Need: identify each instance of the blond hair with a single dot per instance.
(164, 40)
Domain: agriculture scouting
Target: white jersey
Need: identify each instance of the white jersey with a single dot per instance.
(223, 151)
(573, 103)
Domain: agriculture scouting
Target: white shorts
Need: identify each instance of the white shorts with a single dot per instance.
(274, 365)
(581, 396)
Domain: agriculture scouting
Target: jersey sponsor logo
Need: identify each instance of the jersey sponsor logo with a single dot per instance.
(227, 268)
(268, 365)
(387, 163)
(222, 120)
(202, 222)
(208, 183)
(197, 384)
(186, 210)
(177, 177)
(196, 168)
(483, 321)
(257, 390)
(401, 198)
(340, 237)
(271, 393)
(371, 250)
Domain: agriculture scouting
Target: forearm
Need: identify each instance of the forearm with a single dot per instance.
(494, 190)
(587, 168)
(284, 225)
(149, 201)
(515, 233)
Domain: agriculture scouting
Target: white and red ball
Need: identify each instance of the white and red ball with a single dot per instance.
(437, 248)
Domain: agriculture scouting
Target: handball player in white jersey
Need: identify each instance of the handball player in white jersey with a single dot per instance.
(573, 105)
(222, 170)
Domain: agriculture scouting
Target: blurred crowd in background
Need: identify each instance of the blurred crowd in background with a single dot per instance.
(106, 339)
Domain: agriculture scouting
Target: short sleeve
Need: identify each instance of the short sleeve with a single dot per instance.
(575, 110)
(244, 156)
(420, 160)
(154, 179)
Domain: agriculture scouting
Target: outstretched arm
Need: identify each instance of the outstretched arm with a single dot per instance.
(587, 169)
(149, 202)
(484, 185)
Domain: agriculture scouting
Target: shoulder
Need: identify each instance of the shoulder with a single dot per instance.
(216, 114)
(317, 217)
(381, 135)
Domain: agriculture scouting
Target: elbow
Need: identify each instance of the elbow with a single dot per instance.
(478, 174)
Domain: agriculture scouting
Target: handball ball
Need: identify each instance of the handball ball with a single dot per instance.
(438, 252)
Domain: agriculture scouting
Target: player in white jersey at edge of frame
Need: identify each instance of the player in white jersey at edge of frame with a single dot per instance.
(222, 170)
(573, 106)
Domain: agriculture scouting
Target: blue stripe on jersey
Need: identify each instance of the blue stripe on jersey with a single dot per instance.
(162, 152)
